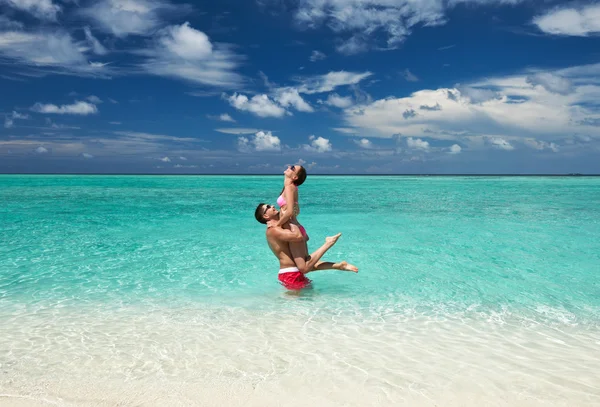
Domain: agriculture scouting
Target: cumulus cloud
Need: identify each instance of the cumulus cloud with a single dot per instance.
(9, 119)
(42, 9)
(545, 106)
(573, 21)
(259, 105)
(262, 141)
(318, 145)
(364, 143)
(500, 143)
(165, 159)
(290, 97)
(223, 118)
(417, 144)
(317, 56)
(87, 155)
(182, 52)
(551, 82)
(77, 108)
(41, 150)
(341, 102)
(455, 149)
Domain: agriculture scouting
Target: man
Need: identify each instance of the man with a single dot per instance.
(293, 270)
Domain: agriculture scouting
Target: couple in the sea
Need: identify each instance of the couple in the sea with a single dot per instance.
(288, 239)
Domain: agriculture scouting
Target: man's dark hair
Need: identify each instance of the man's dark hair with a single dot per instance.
(301, 174)
(258, 214)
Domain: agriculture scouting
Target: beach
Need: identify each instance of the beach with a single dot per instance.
(158, 290)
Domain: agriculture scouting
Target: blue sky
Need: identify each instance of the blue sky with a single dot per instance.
(341, 86)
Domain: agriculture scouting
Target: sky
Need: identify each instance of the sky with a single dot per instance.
(339, 86)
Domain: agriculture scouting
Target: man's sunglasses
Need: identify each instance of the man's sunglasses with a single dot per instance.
(267, 208)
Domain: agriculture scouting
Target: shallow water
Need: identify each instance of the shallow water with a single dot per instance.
(152, 290)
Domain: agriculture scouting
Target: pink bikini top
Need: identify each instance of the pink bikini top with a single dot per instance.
(281, 202)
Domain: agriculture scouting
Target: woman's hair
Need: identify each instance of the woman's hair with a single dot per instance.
(300, 180)
(301, 176)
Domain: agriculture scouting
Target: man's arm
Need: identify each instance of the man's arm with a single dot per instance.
(287, 235)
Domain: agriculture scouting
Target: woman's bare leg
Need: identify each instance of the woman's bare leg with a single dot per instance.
(298, 251)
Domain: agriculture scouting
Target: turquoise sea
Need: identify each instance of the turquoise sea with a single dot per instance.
(470, 291)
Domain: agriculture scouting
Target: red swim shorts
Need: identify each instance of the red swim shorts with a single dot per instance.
(293, 279)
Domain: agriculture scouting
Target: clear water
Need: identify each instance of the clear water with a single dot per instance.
(133, 264)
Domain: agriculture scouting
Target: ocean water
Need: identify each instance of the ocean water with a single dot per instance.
(161, 290)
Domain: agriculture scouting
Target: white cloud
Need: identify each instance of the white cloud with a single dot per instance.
(455, 149)
(183, 52)
(287, 97)
(126, 17)
(115, 123)
(42, 9)
(353, 45)
(97, 47)
(341, 102)
(183, 158)
(9, 119)
(318, 145)
(330, 81)
(235, 130)
(345, 130)
(262, 141)
(543, 105)
(581, 22)
(226, 118)
(41, 150)
(364, 143)
(94, 99)
(222, 117)
(541, 145)
(8, 24)
(358, 22)
(409, 76)
(78, 108)
(500, 143)
(260, 105)
(417, 144)
(165, 159)
(54, 50)
(87, 155)
(21, 116)
(551, 82)
(43, 48)
(317, 56)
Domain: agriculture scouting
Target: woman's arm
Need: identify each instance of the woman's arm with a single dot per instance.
(288, 194)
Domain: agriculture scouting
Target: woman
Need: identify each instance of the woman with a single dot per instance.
(295, 175)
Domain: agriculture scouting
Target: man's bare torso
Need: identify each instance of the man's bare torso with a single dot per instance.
(281, 250)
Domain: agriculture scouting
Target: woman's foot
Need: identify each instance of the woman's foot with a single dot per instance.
(344, 265)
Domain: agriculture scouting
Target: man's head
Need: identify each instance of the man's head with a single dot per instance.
(265, 213)
(297, 173)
